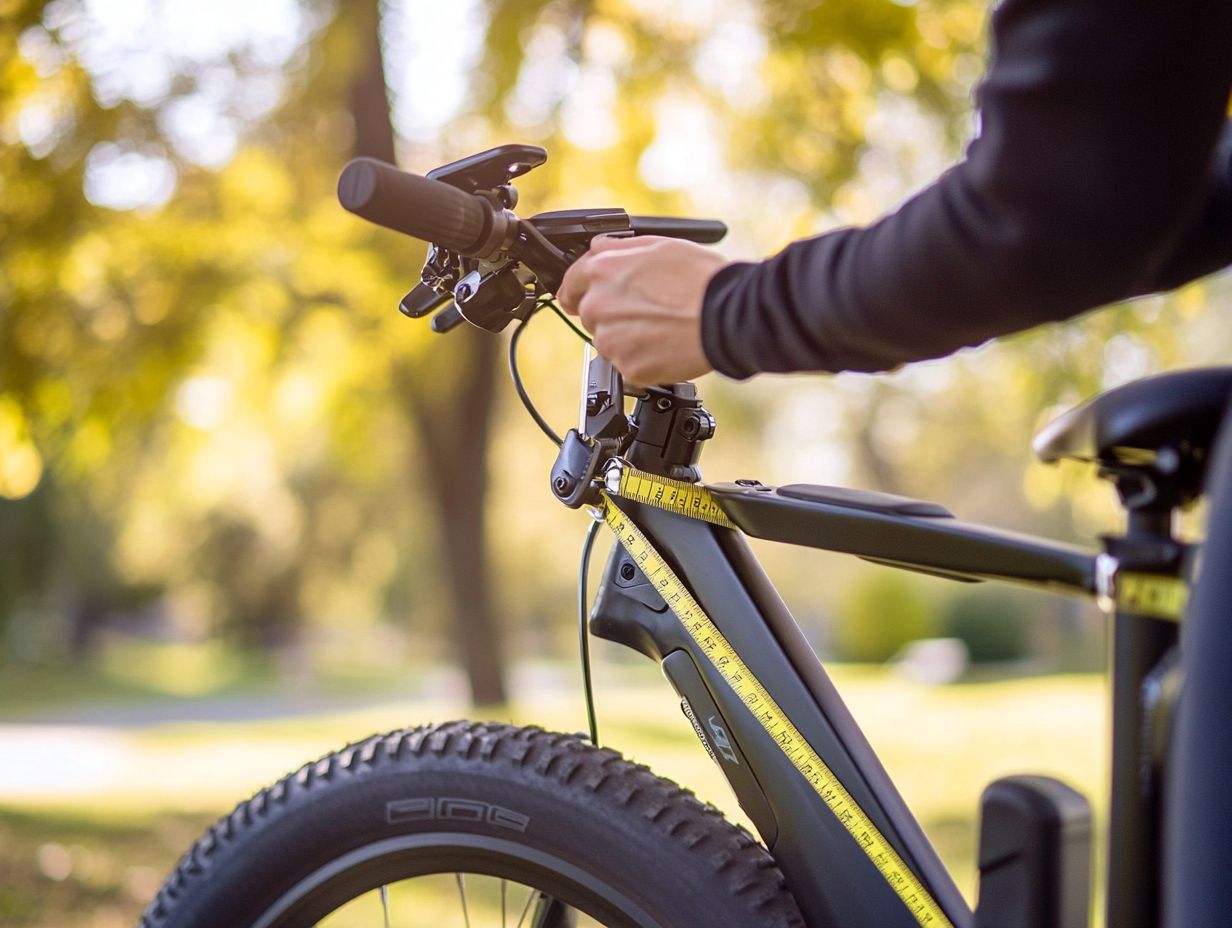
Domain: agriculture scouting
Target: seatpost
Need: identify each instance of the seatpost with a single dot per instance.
(1139, 644)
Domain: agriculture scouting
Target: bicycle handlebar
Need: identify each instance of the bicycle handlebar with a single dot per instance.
(702, 231)
(480, 242)
(416, 206)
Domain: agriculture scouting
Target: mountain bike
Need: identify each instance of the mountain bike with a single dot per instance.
(531, 827)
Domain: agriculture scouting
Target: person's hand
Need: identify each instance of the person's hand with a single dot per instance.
(641, 299)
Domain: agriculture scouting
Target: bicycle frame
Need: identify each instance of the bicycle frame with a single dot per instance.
(830, 874)
(836, 870)
(682, 586)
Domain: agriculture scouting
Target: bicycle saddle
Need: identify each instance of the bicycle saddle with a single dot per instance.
(1158, 423)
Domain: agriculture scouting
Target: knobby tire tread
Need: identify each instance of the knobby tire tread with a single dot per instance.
(698, 832)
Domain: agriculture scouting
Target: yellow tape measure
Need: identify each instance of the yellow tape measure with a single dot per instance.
(750, 691)
(1151, 595)
(685, 499)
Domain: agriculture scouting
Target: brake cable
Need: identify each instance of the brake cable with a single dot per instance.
(518, 386)
(521, 389)
(584, 631)
(550, 303)
(589, 541)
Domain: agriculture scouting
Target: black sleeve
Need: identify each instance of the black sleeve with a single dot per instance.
(1206, 244)
(1090, 182)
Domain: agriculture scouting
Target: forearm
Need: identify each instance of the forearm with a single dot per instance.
(1089, 175)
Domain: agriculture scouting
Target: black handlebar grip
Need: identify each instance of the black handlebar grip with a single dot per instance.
(425, 209)
(702, 231)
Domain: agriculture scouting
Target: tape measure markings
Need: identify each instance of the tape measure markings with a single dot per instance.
(754, 695)
(1151, 595)
(1137, 593)
(685, 499)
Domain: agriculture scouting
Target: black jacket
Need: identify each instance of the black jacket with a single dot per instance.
(1090, 182)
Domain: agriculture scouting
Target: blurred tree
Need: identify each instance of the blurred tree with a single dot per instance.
(210, 392)
(160, 289)
(447, 395)
(87, 350)
(993, 622)
(883, 611)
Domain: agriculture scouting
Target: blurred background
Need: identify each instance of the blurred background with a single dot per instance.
(248, 512)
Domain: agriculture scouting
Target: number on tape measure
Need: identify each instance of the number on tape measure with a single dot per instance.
(685, 499)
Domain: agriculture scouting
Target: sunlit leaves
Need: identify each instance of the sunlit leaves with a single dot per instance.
(21, 465)
(215, 393)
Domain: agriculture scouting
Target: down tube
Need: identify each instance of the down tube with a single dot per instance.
(831, 876)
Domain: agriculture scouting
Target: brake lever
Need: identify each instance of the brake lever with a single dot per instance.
(421, 301)
(447, 319)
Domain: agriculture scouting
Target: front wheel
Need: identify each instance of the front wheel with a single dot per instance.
(474, 825)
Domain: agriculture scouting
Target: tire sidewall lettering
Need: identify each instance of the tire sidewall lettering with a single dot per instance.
(451, 809)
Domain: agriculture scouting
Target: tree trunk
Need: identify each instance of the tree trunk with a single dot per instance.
(374, 131)
(878, 467)
(454, 434)
(453, 420)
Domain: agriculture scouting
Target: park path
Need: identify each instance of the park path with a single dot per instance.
(188, 753)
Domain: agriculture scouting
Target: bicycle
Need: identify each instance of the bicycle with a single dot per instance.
(589, 835)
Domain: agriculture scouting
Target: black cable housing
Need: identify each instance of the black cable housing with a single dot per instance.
(584, 634)
(521, 390)
(589, 542)
(551, 303)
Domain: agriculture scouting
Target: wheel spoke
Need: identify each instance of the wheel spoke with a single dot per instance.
(385, 903)
(466, 915)
(530, 897)
(503, 888)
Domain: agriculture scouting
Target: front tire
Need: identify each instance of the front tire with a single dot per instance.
(579, 824)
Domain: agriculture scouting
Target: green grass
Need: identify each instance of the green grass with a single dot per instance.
(76, 866)
(86, 843)
(130, 673)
